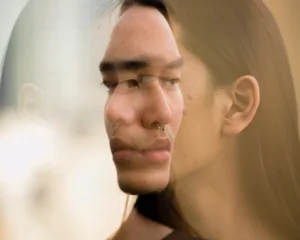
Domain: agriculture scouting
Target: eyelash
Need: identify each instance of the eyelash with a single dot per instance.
(111, 85)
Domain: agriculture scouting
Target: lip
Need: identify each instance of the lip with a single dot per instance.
(158, 152)
(155, 156)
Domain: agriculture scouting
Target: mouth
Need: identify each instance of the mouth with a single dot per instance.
(155, 156)
(158, 152)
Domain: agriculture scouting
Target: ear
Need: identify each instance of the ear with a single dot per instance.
(245, 96)
(30, 100)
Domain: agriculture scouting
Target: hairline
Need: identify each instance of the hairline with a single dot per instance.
(160, 6)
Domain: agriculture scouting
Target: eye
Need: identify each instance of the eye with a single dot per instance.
(173, 81)
(170, 82)
(120, 86)
(131, 83)
(110, 85)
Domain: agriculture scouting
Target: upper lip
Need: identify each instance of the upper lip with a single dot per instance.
(161, 144)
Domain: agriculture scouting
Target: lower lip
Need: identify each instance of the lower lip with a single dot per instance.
(158, 156)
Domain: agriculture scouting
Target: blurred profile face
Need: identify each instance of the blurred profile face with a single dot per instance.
(141, 70)
(198, 139)
(215, 116)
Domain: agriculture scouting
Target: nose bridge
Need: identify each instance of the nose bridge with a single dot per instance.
(110, 109)
(160, 96)
(158, 106)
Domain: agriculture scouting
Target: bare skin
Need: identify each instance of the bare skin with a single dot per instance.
(141, 69)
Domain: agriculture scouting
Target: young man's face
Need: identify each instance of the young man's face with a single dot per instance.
(141, 68)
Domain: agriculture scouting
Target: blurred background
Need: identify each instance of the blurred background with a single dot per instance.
(57, 180)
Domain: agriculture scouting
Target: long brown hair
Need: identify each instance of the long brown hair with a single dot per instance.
(235, 38)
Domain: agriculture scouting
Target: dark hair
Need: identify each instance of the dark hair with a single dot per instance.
(157, 4)
(235, 38)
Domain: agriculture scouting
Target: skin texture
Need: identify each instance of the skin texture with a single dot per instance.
(141, 69)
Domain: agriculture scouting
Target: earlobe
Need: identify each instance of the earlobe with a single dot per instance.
(30, 100)
(245, 96)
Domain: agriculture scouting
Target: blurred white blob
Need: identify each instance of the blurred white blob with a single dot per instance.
(57, 179)
(56, 185)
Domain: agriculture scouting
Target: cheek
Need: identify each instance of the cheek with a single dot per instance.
(198, 128)
(177, 107)
(197, 141)
(177, 119)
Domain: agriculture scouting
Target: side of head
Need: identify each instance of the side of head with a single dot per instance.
(239, 94)
(20, 82)
(141, 70)
(25, 64)
(47, 71)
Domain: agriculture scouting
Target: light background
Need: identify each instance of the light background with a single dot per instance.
(86, 199)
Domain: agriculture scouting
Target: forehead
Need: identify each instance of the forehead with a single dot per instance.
(142, 31)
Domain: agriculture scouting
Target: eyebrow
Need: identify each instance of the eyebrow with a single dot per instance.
(135, 65)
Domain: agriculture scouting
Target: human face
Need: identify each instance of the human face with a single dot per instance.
(141, 69)
(215, 117)
(198, 140)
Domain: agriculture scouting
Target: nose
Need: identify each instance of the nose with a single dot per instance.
(157, 109)
(119, 108)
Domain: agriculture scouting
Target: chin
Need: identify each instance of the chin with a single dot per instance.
(139, 183)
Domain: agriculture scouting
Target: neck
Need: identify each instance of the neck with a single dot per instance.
(138, 227)
(213, 203)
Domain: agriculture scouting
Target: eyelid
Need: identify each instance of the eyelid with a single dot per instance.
(109, 84)
(127, 80)
(106, 82)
